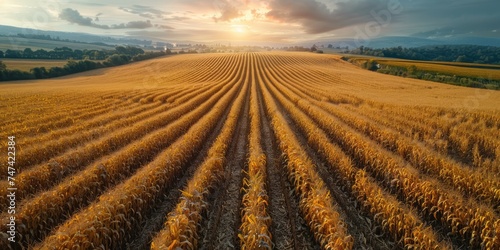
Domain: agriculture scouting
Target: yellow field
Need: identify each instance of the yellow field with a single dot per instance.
(27, 64)
(249, 150)
(486, 71)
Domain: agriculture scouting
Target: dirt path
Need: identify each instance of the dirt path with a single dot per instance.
(219, 230)
(283, 231)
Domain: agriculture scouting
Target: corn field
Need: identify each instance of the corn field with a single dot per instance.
(261, 150)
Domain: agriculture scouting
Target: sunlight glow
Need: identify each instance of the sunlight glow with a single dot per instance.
(239, 29)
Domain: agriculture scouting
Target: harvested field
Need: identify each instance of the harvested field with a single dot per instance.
(28, 64)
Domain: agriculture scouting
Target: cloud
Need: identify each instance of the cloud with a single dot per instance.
(133, 25)
(165, 27)
(269, 20)
(228, 11)
(96, 18)
(73, 16)
(144, 11)
(176, 18)
(316, 17)
(461, 17)
(256, 14)
(87, 3)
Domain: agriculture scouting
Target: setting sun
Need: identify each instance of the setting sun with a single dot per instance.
(240, 29)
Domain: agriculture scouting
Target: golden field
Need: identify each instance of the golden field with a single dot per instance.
(267, 150)
(28, 64)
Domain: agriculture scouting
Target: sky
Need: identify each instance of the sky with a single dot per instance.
(274, 21)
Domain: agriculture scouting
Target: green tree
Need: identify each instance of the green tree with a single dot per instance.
(118, 59)
(412, 69)
(462, 58)
(28, 53)
(12, 53)
(39, 72)
(370, 65)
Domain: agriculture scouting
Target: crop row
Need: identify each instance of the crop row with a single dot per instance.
(120, 212)
(316, 202)
(469, 182)
(31, 127)
(48, 174)
(457, 140)
(181, 226)
(50, 208)
(453, 211)
(403, 226)
(255, 221)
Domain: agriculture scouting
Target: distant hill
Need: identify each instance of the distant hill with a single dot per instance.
(72, 36)
(19, 43)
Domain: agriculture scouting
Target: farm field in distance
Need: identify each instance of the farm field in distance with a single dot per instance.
(488, 71)
(28, 64)
(264, 150)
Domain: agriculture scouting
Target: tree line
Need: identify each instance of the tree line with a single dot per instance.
(446, 53)
(413, 72)
(66, 53)
(119, 56)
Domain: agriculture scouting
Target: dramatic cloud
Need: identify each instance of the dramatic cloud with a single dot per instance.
(144, 11)
(228, 11)
(73, 16)
(287, 21)
(425, 18)
(315, 16)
